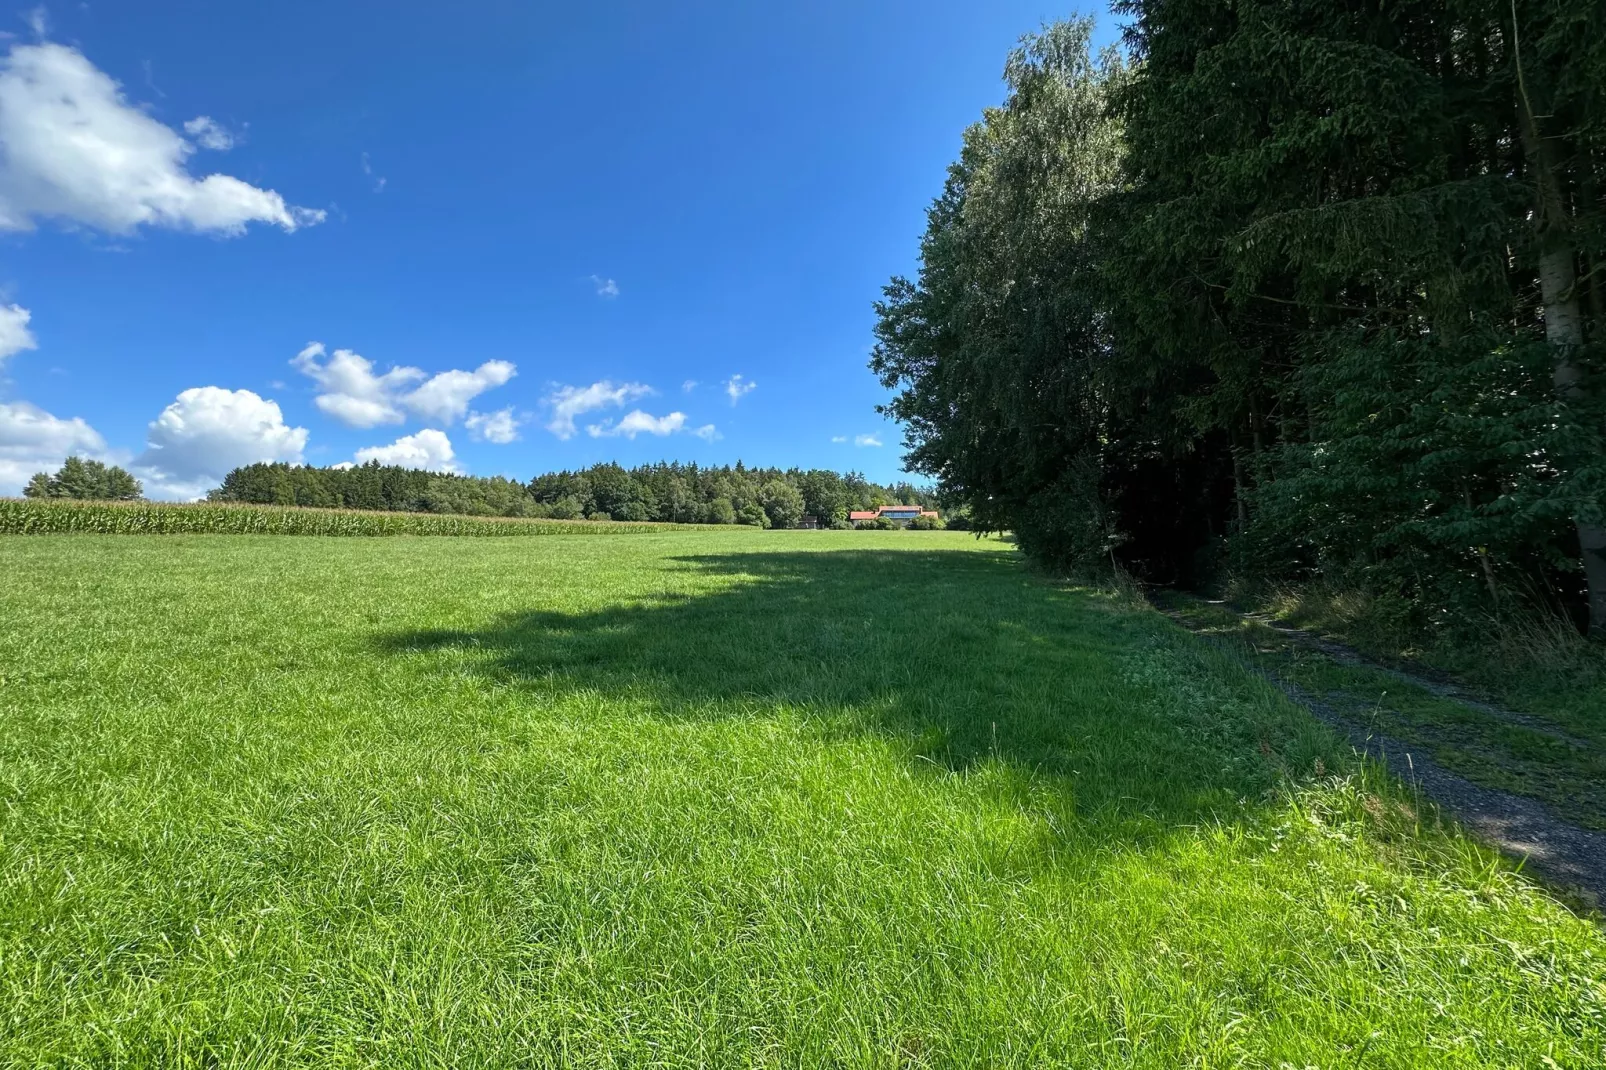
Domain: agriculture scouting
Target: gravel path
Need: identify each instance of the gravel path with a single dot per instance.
(1566, 855)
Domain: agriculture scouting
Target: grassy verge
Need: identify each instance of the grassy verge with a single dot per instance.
(19, 516)
(1558, 759)
(760, 798)
(1537, 666)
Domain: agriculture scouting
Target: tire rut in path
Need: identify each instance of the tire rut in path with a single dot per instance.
(1568, 856)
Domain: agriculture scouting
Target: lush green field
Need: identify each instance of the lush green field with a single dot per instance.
(717, 798)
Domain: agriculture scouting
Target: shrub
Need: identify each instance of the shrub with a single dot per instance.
(567, 508)
(753, 514)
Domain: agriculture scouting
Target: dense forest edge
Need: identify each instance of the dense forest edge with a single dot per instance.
(1282, 297)
(669, 493)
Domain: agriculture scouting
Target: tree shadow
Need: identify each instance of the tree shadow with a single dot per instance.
(959, 658)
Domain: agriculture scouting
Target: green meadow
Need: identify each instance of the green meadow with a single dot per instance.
(709, 798)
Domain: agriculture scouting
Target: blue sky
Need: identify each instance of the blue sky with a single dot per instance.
(500, 238)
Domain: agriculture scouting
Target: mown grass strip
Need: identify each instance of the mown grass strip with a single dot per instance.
(61, 517)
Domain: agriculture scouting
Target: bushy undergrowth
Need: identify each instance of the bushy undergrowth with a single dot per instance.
(57, 516)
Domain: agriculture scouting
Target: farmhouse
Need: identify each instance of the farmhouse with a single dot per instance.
(898, 514)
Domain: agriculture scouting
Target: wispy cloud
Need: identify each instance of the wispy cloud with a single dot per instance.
(866, 440)
(689, 385)
(637, 422)
(209, 133)
(14, 333)
(568, 402)
(737, 387)
(839, 438)
(368, 169)
(605, 287)
(500, 427)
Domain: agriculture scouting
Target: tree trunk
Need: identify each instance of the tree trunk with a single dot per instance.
(1564, 315)
(1564, 330)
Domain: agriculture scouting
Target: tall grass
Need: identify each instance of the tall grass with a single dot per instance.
(58, 517)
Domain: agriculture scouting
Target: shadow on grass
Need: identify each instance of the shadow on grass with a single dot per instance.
(962, 658)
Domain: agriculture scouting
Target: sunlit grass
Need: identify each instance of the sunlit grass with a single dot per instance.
(710, 798)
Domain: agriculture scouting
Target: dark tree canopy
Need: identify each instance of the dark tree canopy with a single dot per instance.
(1310, 289)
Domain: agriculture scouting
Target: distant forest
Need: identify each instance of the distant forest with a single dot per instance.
(675, 493)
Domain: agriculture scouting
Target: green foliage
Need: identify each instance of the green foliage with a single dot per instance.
(926, 523)
(996, 346)
(59, 516)
(665, 493)
(1283, 294)
(83, 480)
(478, 497)
(689, 493)
(782, 503)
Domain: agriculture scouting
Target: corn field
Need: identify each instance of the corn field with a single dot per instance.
(31, 516)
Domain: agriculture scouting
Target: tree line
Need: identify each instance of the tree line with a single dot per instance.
(670, 492)
(1290, 290)
(85, 480)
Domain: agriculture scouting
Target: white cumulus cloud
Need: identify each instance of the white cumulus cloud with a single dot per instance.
(429, 449)
(636, 423)
(605, 287)
(352, 393)
(73, 148)
(500, 427)
(866, 440)
(445, 397)
(32, 440)
(568, 402)
(209, 133)
(14, 333)
(206, 432)
(738, 387)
